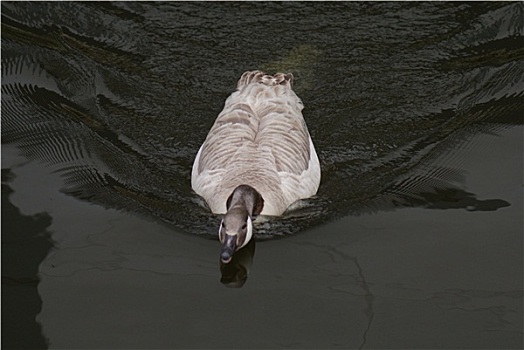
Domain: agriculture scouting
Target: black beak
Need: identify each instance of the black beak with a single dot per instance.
(228, 248)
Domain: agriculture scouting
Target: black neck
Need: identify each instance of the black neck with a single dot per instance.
(247, 197)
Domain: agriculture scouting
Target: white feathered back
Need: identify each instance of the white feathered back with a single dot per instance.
(259, 139)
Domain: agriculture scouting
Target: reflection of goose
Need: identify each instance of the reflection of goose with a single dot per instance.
(258, 157)
(235, 273)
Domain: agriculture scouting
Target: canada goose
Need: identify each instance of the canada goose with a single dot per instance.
(258, 157)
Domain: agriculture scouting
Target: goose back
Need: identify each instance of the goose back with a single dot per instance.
(259, 139)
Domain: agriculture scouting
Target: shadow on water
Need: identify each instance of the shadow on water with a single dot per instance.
(458, 199)
(398, 196)
(25, 244)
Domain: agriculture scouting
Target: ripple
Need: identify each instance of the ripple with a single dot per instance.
(119, 100)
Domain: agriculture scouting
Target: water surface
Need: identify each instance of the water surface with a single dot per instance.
(410, 106)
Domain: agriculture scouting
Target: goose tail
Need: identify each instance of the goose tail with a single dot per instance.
(258, 77)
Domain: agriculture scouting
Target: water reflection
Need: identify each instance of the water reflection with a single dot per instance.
(437, 198)
(25, 244)
(459, 199)
(235, 273)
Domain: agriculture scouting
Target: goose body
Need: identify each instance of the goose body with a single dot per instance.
(260, 141)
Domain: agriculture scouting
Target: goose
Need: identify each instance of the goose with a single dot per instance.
(257, 159)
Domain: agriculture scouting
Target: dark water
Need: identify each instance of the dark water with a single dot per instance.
(104, 106)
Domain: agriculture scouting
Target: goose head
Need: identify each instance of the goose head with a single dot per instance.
(236, 228)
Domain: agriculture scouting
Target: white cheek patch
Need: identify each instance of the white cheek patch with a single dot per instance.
(249, 232)
(220, 229)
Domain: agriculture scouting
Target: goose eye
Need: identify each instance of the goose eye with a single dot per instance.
(244, 226)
